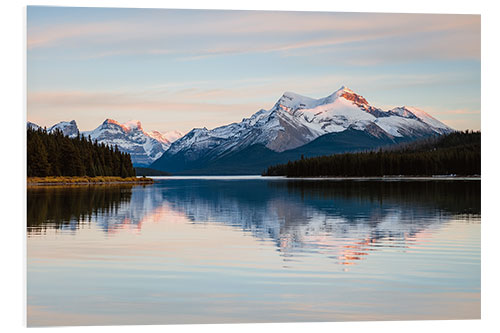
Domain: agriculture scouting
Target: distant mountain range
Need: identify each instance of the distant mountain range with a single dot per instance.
(143, 147)
(295, 126)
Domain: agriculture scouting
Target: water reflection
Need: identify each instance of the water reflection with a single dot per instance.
(343, 220)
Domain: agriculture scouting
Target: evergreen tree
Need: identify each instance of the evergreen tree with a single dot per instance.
(38, 165)
(456, 153)
(53, 154)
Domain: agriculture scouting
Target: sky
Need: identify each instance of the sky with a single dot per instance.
(182, 69)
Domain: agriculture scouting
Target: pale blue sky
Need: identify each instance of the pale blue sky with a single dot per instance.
(179, 69)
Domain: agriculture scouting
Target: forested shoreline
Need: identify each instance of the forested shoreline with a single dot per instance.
(54, 154)
(457, 153)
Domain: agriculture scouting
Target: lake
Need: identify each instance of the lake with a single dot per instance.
(253, 249)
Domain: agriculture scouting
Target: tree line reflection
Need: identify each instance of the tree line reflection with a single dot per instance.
(453, 197)
(69, 206)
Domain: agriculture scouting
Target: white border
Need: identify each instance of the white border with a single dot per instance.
(12, 126)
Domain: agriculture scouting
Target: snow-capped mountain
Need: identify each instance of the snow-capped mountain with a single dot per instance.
(68, 128)
(144, 147)
(130, 137)
(295, 121)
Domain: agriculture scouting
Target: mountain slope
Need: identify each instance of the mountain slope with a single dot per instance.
(295, 121)
(256, 158)
(131, 138)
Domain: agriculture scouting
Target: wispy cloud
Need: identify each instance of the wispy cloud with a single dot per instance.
(52, 35)
(195, 37)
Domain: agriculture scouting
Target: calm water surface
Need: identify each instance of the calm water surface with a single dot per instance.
(251, 249)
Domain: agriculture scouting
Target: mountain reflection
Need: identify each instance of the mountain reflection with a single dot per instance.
(344, 220)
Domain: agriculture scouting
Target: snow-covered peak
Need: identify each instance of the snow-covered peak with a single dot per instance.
(128, 126)
(403, 111)
(68, 128)
(350, 95)
(199, 131)
(111, 121)
(344, 88)
(291, 102)
(340, 91)
(347, 107)
(144, 147)
(110, 124)
(136, 126)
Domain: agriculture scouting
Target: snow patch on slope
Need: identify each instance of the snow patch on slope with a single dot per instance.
(68, 128)
(427, 118)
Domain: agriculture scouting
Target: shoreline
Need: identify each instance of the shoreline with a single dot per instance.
(261, 177)
(108, 180)
(390, 178)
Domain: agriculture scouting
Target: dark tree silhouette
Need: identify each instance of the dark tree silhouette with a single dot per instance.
(53, 154)
(456, 153)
